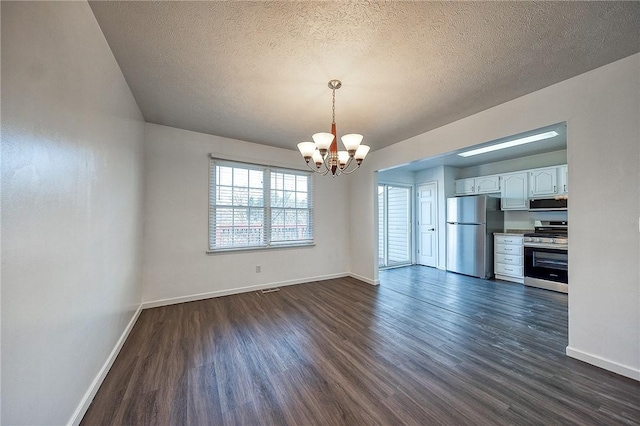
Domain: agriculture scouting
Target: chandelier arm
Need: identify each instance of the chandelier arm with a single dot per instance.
(311, 167)
(315, 169)
(326, 166)
(347, 166)
(348, 163)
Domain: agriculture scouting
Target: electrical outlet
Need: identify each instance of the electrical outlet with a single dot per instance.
(258, 269)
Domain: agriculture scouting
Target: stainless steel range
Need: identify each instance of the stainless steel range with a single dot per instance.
(546, 260)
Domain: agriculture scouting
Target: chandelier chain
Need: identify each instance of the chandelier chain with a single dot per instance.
(334, 107)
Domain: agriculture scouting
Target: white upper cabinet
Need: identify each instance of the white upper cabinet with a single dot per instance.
(487, 184)
(543, 182)
(514, 195)
(516, 188)
(465, 186)
(563, 179)
(479, 185)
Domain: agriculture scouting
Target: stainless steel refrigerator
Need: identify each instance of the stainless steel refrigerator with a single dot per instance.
(471, 222)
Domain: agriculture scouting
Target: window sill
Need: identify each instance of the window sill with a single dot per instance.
(246, 249)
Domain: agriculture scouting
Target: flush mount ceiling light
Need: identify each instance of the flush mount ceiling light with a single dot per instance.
(324, 148)
(509, 144)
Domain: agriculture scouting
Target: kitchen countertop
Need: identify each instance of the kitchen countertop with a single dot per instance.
(515, 232)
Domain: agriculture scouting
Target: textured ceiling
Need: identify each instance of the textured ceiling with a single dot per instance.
(258, 71)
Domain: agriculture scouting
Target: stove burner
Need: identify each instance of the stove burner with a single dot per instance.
(552, 234)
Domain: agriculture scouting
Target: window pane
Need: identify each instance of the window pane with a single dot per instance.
(240, 196)
(277, 217)
(255, 178)
(240, 217)
(303, 218)
(301, 183)
(256, 236)
(240, 177)
(277, 199)
(290, 218)
(224, 196)
(301, 200)
(256, 218)
(290, 182)
(224, 217)
(276, 181)
(240, 237)
(289, 199)
(224, 176)
(256, 197)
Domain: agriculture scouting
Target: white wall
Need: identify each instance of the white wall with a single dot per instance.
(71, 196)
(176, 221)
(396, 176)
(601, 110)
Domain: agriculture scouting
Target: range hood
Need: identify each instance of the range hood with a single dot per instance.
(548, 204)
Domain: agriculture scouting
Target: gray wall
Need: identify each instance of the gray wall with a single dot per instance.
(71, 219)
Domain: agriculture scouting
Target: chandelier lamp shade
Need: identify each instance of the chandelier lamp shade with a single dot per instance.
(323, 151)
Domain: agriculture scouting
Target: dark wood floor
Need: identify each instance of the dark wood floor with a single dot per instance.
(425, 347)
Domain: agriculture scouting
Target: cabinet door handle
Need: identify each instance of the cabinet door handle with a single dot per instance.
(431, 229)
(554, 188)
(565, 188)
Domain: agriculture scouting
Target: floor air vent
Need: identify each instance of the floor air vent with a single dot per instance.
(269, 290)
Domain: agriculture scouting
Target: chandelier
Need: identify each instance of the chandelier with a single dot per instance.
(324, 148)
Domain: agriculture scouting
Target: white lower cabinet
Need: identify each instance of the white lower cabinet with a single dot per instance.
(508, 258)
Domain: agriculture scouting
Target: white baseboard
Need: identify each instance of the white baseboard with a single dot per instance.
(623, 370)
(77, 416)
(219, 293)
(365, 279)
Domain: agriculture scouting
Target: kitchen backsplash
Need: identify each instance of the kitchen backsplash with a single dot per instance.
(525, 219)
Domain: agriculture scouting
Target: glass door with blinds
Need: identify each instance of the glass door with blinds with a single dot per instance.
(394, 225)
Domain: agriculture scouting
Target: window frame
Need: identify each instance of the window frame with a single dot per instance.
(267, 225)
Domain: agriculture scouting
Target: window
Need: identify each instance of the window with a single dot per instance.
(255, 206)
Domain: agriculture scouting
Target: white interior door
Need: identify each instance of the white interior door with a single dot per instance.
(427, 224)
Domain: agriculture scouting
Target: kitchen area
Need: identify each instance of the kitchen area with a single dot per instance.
(494, 213)
(507, 245)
